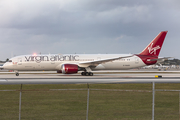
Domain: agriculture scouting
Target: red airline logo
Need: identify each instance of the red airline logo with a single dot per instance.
(153, 49)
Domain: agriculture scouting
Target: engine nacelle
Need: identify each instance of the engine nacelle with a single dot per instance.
(69, 68)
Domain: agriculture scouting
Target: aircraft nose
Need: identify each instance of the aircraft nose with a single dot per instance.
(7, 66)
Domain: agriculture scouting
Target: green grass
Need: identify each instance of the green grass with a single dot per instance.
(9, 105)
(39, 103)
(54, 105)
(167, 106)
(107, 105)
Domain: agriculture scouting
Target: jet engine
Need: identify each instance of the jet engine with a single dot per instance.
(69, 68)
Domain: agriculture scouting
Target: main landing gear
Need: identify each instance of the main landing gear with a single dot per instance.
(87, 71)
(87, 74)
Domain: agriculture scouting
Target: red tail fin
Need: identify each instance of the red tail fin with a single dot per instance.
(153, 49)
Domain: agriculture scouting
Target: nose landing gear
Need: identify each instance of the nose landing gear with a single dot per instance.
(17, 73)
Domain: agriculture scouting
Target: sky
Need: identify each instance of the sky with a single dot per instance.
(87, 26)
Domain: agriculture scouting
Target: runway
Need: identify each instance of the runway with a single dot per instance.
(52, 78)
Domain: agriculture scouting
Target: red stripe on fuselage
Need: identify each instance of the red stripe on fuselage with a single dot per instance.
(146, 58)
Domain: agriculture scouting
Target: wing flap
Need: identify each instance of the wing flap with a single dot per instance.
(97, 62)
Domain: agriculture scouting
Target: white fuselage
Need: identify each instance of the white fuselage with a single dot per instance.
(55, 61)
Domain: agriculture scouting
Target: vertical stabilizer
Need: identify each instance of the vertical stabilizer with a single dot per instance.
(154, 48)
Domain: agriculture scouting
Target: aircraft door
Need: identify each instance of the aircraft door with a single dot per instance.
(136, 60)
(19, 61)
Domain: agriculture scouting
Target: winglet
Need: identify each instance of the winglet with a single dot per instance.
(154, 48)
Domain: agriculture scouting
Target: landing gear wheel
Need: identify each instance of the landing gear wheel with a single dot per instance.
(86, 73)
(83, 73)
(17, 74)
(90, 74)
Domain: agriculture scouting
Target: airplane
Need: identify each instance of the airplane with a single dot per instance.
(72, 63)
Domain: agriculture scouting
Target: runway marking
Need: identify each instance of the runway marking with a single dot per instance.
(3, 80)
(7, 90)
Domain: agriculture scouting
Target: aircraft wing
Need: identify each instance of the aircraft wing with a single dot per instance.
(97, 62)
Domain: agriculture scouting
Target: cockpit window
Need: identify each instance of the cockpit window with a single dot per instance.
(10, 60)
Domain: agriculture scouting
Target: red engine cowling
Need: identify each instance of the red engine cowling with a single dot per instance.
(69, 68)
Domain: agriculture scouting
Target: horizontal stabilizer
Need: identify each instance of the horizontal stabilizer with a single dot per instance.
(159, 59)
